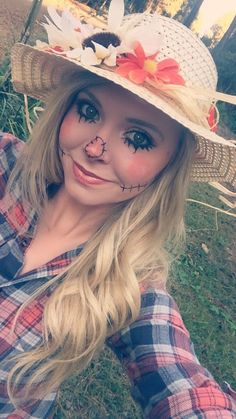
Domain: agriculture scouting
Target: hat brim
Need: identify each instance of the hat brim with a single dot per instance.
(37, 73)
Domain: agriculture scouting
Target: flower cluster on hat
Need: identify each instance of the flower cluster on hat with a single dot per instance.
(64, 31)
(140, 68)
(90, 45)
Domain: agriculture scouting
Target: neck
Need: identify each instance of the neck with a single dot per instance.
(69, 219)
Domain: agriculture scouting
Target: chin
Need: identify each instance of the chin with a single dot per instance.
(90, 197)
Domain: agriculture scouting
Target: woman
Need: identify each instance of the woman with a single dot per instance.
(92, 201)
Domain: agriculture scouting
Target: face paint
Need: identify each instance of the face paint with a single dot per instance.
(138, 169)
(96, 148)
(130, 158)
(130, 188)
(62, 151)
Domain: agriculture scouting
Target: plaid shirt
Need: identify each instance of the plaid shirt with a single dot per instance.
(155, 350)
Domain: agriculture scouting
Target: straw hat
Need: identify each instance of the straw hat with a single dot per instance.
(139, 52)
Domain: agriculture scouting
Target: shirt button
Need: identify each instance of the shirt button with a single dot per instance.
(24, 242)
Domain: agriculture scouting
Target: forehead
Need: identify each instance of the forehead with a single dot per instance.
(118, 100)
(111, 92)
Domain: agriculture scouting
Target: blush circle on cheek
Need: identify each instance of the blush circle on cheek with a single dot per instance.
(140, 170)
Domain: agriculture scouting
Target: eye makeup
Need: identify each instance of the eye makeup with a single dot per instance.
(136, 138)
(87, 111)
(146, 124)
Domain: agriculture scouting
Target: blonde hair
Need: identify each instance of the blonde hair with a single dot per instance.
(99, 292)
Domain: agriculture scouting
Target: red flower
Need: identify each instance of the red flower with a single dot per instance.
(139, 68)
(212, 119)
(57, 49)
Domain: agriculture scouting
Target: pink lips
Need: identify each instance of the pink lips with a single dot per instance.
(86, 177)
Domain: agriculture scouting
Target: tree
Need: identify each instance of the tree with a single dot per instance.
(36, 4)
(188, 11)
(217, 32)
(169, 8)
(98, 5)
(225, 60)
(231, 31)
(192, 13)
(135, 6)
(131, 6)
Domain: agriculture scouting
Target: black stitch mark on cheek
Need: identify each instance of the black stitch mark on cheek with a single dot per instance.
(62, 151)
(130, 188)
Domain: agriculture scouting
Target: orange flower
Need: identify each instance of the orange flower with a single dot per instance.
(57, 49)
(139, 68)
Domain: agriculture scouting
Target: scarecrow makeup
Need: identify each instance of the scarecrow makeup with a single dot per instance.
(113, 145)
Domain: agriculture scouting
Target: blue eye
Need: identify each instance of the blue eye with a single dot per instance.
(87, 111)
(138, 140)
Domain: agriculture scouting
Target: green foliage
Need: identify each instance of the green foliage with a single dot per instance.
(225, 61)
(101, 391)
(12, 111)
(185, 9)
(203, 284)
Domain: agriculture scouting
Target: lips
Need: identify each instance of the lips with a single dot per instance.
(90, 174)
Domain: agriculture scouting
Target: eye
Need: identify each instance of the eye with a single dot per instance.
(87, 111)
(138, 140)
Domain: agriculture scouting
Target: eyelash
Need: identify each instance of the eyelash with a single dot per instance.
(83, 117)
(148, 143)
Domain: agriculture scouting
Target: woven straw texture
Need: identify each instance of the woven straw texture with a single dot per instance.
(36, 73)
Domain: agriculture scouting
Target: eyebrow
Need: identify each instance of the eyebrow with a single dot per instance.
(146, 124)
(91, 96)
(139, 122)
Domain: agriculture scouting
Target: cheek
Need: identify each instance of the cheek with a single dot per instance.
(67, 126)
(67, 135)
(144, 167)
(72, 132)
(138, 168)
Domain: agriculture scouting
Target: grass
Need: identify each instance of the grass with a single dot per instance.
(203, 285)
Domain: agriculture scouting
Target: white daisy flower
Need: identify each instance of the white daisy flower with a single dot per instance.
(66, 31)
(99, 54)
(93, 46)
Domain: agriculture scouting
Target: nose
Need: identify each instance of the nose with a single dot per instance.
(96, 149)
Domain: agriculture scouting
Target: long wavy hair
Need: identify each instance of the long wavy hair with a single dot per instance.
(101, 286)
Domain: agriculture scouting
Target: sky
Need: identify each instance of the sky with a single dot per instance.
(212, 10)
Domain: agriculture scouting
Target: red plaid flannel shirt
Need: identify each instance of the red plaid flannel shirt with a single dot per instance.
(156, 352)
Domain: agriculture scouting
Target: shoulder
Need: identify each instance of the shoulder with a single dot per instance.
(10, 148)
(160, 304)
(158, 310)
(10, 142)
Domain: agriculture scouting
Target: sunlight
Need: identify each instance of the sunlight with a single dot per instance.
(210, 13)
